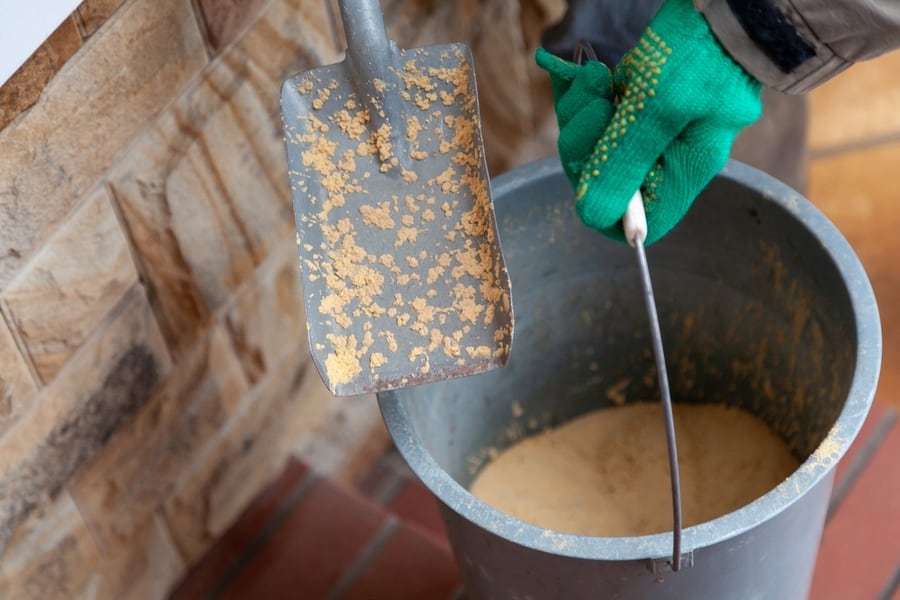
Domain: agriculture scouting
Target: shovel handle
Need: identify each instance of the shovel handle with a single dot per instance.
(371, 58)
(367, 43)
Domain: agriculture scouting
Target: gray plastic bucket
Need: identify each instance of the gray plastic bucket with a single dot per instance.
(762, 303)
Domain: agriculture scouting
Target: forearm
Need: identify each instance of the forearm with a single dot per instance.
(805, 42)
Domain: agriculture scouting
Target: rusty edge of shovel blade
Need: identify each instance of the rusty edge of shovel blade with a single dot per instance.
(402, 271)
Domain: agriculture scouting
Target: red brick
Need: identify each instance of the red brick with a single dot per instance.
(312, 547)
(861, 544)
(416, 505)
(380, 482)
(204, 577)
(411, 566)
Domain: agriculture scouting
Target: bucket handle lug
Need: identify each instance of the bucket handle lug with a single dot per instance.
(661, 565)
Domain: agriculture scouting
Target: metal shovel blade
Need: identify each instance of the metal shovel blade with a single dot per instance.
(402, 272)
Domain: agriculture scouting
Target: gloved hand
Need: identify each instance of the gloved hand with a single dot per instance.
(583, 99)
(682, 101)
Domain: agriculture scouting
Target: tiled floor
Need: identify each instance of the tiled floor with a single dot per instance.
(855, 146)
(307, 537)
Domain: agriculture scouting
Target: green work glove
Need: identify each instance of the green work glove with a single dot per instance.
(583, 99)
(682, 101)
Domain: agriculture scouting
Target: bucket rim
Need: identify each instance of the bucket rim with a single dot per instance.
(810, 472)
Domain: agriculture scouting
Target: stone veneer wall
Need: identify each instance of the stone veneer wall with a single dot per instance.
(154, 372)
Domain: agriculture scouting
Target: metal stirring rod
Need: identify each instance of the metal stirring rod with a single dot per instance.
(634, 223)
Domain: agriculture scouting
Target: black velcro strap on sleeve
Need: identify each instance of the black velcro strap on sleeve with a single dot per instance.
(772, 32)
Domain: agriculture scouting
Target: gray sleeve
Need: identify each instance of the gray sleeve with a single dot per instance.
(840, 32)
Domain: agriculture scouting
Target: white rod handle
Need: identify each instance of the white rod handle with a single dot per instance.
(634, 221)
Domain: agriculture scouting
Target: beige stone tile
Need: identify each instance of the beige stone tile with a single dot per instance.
(346, 438)
(266, 320)
(248, 454)
(290, 36)
(23, 89)
(86, 116)
(71, 284)
(92, 14)
(855, 192)
(145, 203)
(121, 487)
(858, 104)
(225, 19)
(147, 567)
(17, 386)
(53, 558)
(205, 204)
(111, 376)
(199, 233)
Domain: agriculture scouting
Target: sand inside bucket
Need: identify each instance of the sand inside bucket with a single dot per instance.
(606, 473)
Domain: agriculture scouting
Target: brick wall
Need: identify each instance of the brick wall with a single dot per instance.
(154, 373)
